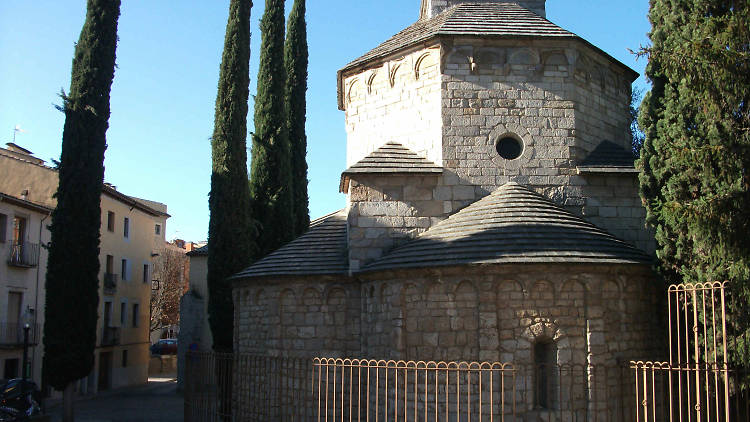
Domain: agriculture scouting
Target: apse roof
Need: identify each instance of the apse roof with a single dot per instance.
(511, 225)
(391, 158)
(321, 250)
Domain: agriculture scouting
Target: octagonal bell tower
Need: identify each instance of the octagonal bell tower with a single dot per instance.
(490, 92)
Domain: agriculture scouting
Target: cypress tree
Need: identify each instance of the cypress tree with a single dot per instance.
(696, 155)
(295, 61)
(270, 170)
(230, 227)
(72, 285)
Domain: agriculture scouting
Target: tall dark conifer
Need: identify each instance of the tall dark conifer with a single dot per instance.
(230, 229)
(72, 284)
(295, 61)
(270, 171)
(695, 178)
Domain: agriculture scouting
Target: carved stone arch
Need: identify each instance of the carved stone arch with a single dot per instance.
(554, 58)
(384, 292)
(624, 86)
(287, 297)
(466, 318)
(393, 73)
(352, 90)
(425, 58)
(329, 289)
(543, 330)
(458, 55)
(542, 290)
(491, 56)
(598, 76)
(610, 80)
(335, 292)
(259, 297)
(413, 289)
(312, 297)
(583, 68)
(511, 289)
(611, 294)
(246, 297)
(524, 56)
(465, 287)
(371, 80)
(573, 285)
(436, 291)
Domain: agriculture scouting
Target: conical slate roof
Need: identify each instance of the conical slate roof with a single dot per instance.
(511, 225)
(321, 250)
(391, 158)
(470, 19)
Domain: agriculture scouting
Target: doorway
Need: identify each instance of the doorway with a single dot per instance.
(15, 299)
(105, 371)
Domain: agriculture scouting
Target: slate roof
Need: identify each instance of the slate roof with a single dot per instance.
(511, 225)
(202, 251)
(321, 250)
(608, 157)
(470, 19)
(391, 158)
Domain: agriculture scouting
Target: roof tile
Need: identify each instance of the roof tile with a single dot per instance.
(321, 250)
(485, 19)
(511, 225)
(391, 158)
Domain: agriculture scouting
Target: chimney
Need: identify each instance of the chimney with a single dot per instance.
(431, 8)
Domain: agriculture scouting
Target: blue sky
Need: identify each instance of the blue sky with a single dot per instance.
(164, 90)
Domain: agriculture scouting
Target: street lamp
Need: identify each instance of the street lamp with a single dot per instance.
(28, 318)
(24, 368)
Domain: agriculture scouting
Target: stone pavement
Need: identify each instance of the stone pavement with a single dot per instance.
(156, 401)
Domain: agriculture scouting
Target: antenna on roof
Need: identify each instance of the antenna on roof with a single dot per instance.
(16, 130)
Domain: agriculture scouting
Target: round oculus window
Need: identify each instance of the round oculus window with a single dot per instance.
(509, 148)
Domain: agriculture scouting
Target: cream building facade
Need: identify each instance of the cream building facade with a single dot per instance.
(22, 231)
(132, 234)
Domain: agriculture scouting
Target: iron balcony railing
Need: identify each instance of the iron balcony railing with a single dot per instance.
(110, 336)
(11, 334)
(110, 283)
(24, 255)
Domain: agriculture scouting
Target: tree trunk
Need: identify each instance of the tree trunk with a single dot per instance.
(68, 401)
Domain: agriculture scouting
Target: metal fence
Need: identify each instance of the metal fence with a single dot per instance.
(697, 383)
(370, 390)
(222, 387)
(11, 334)
(23, 254)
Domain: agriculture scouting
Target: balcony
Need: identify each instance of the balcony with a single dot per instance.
(24, 255)
(110, 336)
(11, 334)
(110, 283)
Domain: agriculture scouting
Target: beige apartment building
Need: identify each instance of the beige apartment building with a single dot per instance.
(132, 234)
(22, 231)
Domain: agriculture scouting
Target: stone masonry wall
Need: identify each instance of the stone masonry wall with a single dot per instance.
(386, 211)
(594, 314)
(297, 317)
(397, 101)
(539, 93)
(601, 107)
(597, 314)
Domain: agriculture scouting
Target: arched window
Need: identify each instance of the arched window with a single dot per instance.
(545, 375)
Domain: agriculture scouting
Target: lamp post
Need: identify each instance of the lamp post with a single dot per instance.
(24, 368)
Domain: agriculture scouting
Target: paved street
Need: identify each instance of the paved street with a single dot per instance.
(157, 401)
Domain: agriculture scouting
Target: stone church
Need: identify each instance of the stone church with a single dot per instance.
(492, 206)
